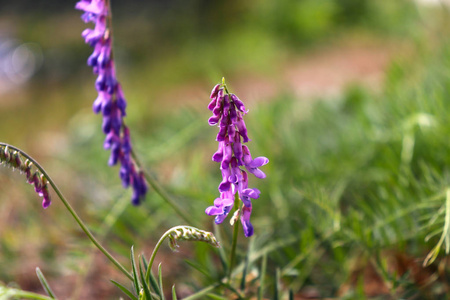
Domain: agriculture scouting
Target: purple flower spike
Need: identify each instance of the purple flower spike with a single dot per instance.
(228, 112)
(110, 101)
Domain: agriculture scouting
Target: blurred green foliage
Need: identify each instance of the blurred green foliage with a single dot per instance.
(352, 183)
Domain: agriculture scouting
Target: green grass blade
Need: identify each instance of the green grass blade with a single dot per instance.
(154, 285)
(200, 294)
(161, 288)
(174, 294)
(261, 277)
(44, 283)
(125, 290)
(137, 286)
(277, 285)
(144, 283)
(144, 261)
(244, 272)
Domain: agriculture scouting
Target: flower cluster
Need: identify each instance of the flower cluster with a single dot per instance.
(12, 159)
(110, 101)
(228, 111)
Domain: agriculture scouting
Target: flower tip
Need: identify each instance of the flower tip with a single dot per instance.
(46, 203)
(213, 120)
(248, 229)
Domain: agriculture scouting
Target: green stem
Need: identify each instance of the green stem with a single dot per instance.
(72, 212)
(161, 192)
(155, 250)
(235, 237)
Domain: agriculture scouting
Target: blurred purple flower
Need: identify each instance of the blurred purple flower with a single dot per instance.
(110, 101)
(228, 112)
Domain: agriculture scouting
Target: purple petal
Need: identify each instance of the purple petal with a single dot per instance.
(224, 186)
(245, 220)
(239, 104)
(258, 162)
(258, 173)
(213, 120)
(212, 104)
(213, 211)
(252, 193)
(214, 91)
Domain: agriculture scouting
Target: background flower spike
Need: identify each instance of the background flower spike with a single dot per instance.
(111, 100)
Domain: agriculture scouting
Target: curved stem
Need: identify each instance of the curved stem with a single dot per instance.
(161, 192)
(72, 212)
(161, 240)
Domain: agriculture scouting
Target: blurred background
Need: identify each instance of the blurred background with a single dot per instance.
(347, 98)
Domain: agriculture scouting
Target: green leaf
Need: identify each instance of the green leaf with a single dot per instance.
(174, 294)
(145, 263)
(44, 283)
(244, 272)
(125, 290)
(153, 282)
(261, 277)
(137, 286)
(160, 281)
(277, 285)
(144, 283)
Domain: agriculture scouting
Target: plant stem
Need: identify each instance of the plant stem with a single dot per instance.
(235, 237)
(161, 240)
(73, 213)
(161, 192)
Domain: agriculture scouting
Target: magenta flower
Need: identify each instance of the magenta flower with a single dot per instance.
(111, 100)
(228, 112)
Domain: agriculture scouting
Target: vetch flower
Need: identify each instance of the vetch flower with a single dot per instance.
(111, 100)
(12, 158)
(228, 113)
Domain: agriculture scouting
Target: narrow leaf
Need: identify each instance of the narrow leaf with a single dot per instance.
(261, 277)
(44, 283)
(160, 281)
(244, 272)
(154, 285)
(277, 285)
(137, 286)
(174, 294)
(144, 283)
(125, 290)
(145, 263)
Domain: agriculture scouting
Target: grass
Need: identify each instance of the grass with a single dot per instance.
(354, 201)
